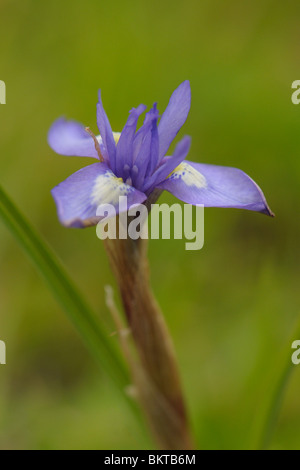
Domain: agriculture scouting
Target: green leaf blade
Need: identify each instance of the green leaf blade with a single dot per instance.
(78, 311)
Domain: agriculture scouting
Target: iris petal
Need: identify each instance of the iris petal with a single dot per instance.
(151, 115)
(145, 147)
(70, 138)
(174, 117)
(169, 164)
(124, 153)
(215, 186)
(78, 197)
(106, 133)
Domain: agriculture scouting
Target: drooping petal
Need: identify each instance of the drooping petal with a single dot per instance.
(106, 133)
(71, 139)
(169, 164)
(174, 117)
(215, 186)
(78, 197)
(124, 152)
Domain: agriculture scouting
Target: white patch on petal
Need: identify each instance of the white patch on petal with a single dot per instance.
(188, 175)
(116, 136)
(108, 188)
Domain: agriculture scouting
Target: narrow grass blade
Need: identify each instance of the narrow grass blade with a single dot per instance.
(84, 320)
(272, 397)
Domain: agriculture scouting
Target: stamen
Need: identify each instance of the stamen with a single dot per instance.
(129, 181)
(97, 146)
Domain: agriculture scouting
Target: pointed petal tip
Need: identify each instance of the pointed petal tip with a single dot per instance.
(185, 83)
(268, 211)
(174, 116)
(186, 86)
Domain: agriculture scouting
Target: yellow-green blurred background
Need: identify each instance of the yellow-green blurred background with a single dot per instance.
(232, 307)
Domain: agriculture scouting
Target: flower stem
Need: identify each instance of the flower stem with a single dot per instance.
(157, 378)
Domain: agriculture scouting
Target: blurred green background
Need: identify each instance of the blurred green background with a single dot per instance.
(233, 307)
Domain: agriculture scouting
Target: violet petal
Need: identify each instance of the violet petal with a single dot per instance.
(78, 197)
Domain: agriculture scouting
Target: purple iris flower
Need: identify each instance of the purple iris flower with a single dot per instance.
(134, 163)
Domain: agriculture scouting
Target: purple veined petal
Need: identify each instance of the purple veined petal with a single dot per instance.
(215, 186)
(145, 147)
(151, 115)
(140, 136)
(124, 152)
(71, 139)
(106, 134)
(78, 197)
(174, 117)
(142, 160)
(154, 150)
(169, 164)
(148, 160)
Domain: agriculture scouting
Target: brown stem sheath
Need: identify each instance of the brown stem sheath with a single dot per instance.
(157, 379)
